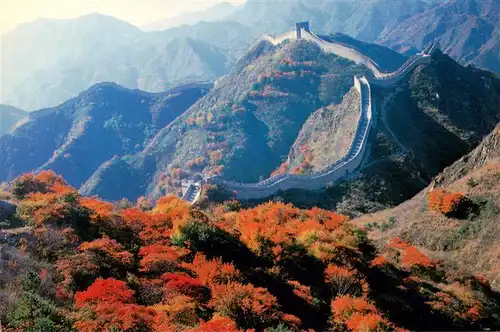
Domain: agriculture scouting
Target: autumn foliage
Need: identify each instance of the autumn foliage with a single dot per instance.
(166, 266)
(447, 203)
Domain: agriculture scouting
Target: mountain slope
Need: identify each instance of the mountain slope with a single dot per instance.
(72, 55)
(9, 116)
(74, 138)
(326, 136)
(468, 31)
(244, 128)
(470, 243)
(217, 12)
(416, 136)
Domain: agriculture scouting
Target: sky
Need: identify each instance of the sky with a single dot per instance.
(137, 12)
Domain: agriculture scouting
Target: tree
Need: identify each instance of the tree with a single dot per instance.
(249, 306)
(33, 312)
(108, 305)
(185, 285)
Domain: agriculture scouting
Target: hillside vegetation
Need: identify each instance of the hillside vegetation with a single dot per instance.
(103, 122)
(466, 233)
(89, 265)
(425, 123)
(244, 128)
(326, 136)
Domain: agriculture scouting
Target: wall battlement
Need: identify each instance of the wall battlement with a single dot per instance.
(302, 26)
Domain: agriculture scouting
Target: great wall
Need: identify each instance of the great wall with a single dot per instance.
(342, 167)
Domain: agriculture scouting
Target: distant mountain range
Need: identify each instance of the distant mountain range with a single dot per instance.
(104, 121)
(72, 55)
(218, 12)
(468, 31)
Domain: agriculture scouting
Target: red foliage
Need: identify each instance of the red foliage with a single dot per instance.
(43, 182)
(108, 250)
(219, 324)
(356, 314)
(210, 272)
(104, 290)
(108, 304)
(100, 210)
(445, 202)
(185, 285)
(379, 261)
(281, 170)
(302, 291)
(410, 255)
(343, 280)
(158, 258)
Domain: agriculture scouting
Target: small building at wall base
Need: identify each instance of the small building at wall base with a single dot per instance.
(302, 25)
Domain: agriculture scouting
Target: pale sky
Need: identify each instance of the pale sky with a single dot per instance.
(137, 12)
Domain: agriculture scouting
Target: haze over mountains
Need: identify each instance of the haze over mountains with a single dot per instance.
(216, 13)
(74, 54)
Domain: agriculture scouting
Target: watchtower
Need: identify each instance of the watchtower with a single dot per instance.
(301, 25)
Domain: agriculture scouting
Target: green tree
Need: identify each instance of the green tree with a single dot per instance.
(33, 312)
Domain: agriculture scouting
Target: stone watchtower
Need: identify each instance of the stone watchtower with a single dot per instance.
(301, 25)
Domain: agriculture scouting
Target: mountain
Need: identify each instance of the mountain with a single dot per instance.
(243, 128)
(72, 55)
(416, 136)
(364, 20)
(468, 31)
(469, 241)
(104, 121)
(217, 12)
(9, 116)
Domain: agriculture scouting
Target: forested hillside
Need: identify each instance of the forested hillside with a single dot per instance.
(90, 265)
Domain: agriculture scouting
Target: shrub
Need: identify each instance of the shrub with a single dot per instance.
(449, 204)
(249, 306)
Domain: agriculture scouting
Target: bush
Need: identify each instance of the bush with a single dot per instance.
(451, 204)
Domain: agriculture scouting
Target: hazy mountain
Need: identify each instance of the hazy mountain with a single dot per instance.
(9, 116)
(74, 138)
(363, 20)
(215, 13)
(72, 55)
(468, 31)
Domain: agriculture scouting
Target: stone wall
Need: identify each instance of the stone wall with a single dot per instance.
(317, 180)
(352, 160)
